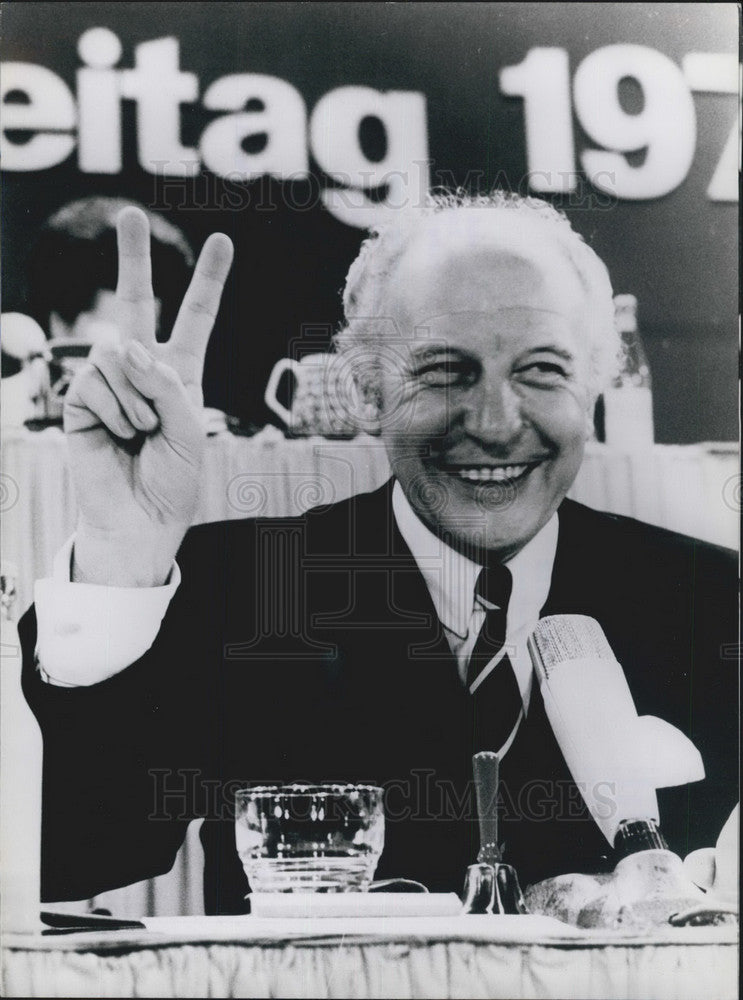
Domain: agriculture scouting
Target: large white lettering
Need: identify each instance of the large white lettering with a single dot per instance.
(99, 103)
(34, 100)
(159, 87)
(335, 142)
(264, 133)
(281, 121)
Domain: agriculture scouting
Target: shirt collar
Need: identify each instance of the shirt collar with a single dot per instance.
(531, 570)
(451, 576)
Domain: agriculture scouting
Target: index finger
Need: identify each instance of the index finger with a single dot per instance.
(134, 294)
(200, 304)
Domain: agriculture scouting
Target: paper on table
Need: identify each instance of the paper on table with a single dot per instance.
(355, 904)
(494, 928)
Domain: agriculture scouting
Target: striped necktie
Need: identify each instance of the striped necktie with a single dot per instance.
(496, 701)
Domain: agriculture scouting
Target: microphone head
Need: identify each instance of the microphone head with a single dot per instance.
(560, 638)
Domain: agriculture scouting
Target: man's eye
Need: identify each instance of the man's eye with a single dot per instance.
(443, 373)
(543, 372)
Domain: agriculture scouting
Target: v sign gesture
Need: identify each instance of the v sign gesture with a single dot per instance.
(134, 423)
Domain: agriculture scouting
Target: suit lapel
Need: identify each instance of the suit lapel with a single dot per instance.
(386, 590)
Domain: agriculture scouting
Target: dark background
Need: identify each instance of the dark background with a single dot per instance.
(677, 254)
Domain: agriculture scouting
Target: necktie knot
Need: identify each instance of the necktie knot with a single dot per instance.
(494, 585)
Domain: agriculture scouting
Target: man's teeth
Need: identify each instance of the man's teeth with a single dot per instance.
(491, 474)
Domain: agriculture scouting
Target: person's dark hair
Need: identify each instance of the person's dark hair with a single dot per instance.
(75, 256)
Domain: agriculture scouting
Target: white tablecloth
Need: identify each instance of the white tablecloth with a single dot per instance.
(495, 957)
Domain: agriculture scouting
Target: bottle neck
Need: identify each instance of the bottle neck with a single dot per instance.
(627, 326)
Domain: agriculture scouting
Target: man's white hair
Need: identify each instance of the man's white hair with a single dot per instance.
(365, 294)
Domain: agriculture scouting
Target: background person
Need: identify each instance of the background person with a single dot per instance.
(71, 275)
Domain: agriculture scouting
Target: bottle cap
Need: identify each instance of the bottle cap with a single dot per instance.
(635, 835)
(625, 301)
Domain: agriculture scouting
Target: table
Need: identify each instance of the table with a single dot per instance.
(495, 957)
(694, 489)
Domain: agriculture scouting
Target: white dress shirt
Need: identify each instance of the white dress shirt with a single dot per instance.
(88, 633)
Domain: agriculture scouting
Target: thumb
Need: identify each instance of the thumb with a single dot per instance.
(161, 384)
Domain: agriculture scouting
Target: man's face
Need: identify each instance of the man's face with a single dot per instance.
(485, 409)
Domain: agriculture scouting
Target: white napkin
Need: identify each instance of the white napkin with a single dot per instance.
(715, 869)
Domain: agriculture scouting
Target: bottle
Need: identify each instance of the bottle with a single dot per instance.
(628, 402)
(21, 758)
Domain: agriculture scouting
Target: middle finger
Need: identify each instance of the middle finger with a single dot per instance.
(193, 327)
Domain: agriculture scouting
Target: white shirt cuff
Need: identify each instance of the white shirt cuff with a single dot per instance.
(88, 633)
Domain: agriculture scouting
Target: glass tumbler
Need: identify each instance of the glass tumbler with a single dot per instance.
(309, 838)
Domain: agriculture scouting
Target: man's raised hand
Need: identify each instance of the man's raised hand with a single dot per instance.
(134, 422)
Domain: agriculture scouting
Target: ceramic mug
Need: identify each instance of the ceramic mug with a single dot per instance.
(324, 400)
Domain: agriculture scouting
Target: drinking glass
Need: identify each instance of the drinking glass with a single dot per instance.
(309, 838)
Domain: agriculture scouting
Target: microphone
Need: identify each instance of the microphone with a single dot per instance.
(617, 758)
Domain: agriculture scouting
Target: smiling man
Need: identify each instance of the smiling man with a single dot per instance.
(505, 326)
(383, 638)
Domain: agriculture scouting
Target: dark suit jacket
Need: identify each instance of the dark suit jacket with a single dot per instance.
(309, 649)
